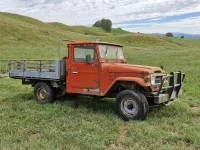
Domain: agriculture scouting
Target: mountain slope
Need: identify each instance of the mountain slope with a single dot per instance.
(25, 37)
(88, 30)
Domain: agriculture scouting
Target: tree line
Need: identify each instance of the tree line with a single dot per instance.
(106, 24)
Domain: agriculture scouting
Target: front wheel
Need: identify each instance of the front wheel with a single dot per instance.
(130, 105)
(43, 92)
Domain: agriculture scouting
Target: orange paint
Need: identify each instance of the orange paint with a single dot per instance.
(97, 77)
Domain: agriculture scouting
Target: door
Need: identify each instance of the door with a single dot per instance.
(85, 75)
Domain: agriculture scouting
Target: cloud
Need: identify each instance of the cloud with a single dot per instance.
(86, 12)
(188, 25)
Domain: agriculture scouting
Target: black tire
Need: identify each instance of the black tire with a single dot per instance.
(146, 104)
(43, 93)
(130, 105)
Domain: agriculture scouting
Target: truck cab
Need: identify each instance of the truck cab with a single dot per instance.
(88, 67)
(100, 69)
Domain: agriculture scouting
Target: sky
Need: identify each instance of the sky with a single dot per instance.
(145, 16)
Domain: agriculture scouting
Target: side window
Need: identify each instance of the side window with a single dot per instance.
(80, 53)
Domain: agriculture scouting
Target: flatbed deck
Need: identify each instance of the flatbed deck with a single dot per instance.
(37, 69)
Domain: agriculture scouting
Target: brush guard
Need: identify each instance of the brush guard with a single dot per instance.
(168, 94)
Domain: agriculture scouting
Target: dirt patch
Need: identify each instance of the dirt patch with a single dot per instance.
(123, 132)
(195, 110)
(122, 137)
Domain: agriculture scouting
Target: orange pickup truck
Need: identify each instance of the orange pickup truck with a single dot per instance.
(100, 69)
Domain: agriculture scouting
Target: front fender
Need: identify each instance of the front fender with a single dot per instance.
(139, 81)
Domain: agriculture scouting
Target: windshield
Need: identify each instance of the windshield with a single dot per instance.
(111, 52)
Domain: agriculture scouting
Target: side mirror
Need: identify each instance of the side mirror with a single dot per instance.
(88, 59)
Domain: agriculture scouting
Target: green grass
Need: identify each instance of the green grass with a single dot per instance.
(88, 123)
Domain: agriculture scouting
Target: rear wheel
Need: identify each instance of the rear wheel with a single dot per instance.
(131, 105)
(43, 92)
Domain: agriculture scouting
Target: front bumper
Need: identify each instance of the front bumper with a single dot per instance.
(170, 93)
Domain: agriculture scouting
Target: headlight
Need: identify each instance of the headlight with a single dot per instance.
(153, 80)
(156, 80)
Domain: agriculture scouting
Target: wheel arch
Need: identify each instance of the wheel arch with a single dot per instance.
(52, 83)
(130, 82)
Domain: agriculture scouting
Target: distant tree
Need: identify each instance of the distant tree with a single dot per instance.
(169, 34)
(182, 37)
(97, 24)
(106, 24)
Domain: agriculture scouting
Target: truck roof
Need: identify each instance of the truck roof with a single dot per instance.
(92, 42)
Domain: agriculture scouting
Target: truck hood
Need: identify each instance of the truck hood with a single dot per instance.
(128, 68)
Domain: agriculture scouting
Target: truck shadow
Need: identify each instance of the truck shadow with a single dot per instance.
(94, 104)
(103, 106)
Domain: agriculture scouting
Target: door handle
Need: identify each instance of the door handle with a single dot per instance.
(95, 65)
(68, 67)
(74, 72)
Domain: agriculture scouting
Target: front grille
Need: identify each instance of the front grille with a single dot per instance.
(158, 79)
(157, 71)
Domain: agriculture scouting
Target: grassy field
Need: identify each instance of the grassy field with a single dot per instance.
(88, 123)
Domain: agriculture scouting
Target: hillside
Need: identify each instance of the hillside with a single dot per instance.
(88, 30)
(28, 36)
(88, 122)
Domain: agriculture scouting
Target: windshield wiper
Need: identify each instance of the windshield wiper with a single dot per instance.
(116, 54)
(106, 51)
